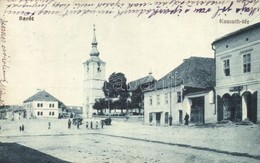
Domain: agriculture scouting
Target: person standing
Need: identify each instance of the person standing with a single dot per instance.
(102, 123)
(170, 120)
(69, 123)
(78, 124)
(186, 119)
(49, 125)
(96, 125)
(87, 124)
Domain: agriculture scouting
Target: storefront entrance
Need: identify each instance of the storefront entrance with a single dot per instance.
(197, 110)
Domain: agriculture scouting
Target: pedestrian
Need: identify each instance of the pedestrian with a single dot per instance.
(186, 119)
(69, 123)
(127, 117)
(22, 127)
(170, 120)
(77, 124)
(87, 124)
(91, 124)
(49, 125)
(96, 124)
(102, 123)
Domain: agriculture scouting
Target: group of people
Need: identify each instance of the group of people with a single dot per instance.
(96, 124)
(88, 124)
(21, 128)
(186, 119)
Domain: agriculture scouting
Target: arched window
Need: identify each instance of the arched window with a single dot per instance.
(52, 113)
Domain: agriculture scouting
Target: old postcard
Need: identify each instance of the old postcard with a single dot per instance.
(129, 80)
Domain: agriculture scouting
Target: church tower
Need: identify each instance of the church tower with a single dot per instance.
(94, 78)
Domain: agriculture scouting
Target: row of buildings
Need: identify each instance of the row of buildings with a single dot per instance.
(225, 87)
(41, 105)
(208, 89)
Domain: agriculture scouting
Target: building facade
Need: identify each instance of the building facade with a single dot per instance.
(42, 105)
(186, 89)
(94, 78)
(136, 89)
(238, 75)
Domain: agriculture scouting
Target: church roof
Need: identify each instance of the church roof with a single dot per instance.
(133, 85)
(94, 51)
(42, 96)
(196, 72)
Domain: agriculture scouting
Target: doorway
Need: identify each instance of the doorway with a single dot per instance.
(180, 116)
(158, 119)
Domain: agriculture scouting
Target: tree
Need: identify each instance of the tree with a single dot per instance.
(116, 87)
(100, 104)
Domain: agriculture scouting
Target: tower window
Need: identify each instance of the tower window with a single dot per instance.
(178, 97)
(99, 69)
(151, 100)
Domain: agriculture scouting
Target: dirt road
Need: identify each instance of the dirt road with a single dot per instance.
(101, 148)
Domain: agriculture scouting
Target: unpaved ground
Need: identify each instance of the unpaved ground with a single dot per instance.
(85, 145)
(98, 148)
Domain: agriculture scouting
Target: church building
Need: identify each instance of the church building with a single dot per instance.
(94, 78)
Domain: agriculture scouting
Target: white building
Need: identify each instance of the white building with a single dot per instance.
(238, 74)
(94, 78)
(186, 89)
(42, 105)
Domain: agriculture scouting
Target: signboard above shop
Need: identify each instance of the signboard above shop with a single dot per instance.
(235, 89)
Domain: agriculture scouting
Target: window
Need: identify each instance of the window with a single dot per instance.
(41, 113)
(226, 67)
(38, 105)
(49, 113)
(158, 99)
(52, 113)
(247, 63)
(178, 96)
(99, 69)
(38, 113)
(41, 104)
(151, 100)
(50, 105)
(166, 100)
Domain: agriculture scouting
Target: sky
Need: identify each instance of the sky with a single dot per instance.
(48, 53)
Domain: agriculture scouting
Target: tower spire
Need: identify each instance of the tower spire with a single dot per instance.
(94, 51)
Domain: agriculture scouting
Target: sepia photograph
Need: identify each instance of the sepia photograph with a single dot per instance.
(122, 81)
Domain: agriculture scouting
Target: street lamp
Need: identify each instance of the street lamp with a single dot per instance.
(170, 85)
(175, 74)
(127, 101)
(108, 103)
